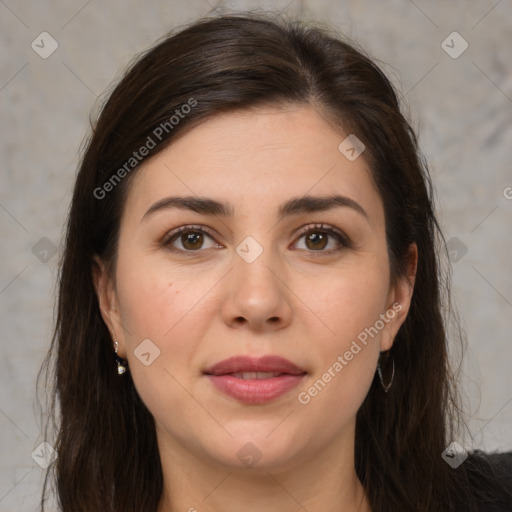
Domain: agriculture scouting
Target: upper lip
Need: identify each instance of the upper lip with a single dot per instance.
(254, 364)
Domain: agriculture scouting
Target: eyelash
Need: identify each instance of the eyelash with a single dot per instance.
(342, 239)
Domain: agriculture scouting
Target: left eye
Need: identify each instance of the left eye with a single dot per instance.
(317, 239)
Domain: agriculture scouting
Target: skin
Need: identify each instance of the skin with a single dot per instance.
(302, 301)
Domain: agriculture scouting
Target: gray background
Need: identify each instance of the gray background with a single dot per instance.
(461, 106)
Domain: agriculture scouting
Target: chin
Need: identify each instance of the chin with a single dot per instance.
(256, 448)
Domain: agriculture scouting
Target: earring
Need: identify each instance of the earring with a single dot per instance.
(121, 363)
(386, 387)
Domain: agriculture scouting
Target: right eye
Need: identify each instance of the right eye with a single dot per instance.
(190, 238)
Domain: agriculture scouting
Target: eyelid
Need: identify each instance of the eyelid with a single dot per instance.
(188, 227)
(341, 237)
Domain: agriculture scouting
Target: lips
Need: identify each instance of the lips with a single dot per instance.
(237, 364)
(255, 380)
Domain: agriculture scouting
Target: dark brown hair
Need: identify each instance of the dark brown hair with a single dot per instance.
(107, 452)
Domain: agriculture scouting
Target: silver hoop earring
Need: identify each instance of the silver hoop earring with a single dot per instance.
(121, 363)
(386, 387)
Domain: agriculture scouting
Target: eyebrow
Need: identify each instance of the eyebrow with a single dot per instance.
(294, 206)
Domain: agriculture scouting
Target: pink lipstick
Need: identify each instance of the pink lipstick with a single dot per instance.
(255, 380)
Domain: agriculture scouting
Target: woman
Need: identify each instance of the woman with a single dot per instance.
(250, 308)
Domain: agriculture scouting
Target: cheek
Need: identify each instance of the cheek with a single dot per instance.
(155, 299)
(351, 307)
(157, 306)
(148, 303)
(350, 303)
(169, 306)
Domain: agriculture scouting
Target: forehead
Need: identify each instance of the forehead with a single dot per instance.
(253, 157)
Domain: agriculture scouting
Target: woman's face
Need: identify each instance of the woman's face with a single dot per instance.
(260, 276)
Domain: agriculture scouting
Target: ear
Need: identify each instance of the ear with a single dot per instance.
(108, 303)
(399, 300)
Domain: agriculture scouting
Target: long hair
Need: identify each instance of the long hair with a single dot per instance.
(108, 458)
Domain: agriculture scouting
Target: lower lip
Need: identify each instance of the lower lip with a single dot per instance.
(256, 391)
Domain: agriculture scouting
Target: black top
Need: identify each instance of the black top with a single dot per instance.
(491, 480)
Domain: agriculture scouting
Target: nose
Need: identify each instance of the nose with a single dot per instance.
(257, 297)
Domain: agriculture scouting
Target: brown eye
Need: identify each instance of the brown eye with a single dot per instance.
(188, 239)
(316, 240)
(192, 240)
(323, 239)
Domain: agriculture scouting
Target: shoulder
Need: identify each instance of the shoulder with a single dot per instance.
(490, 479)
